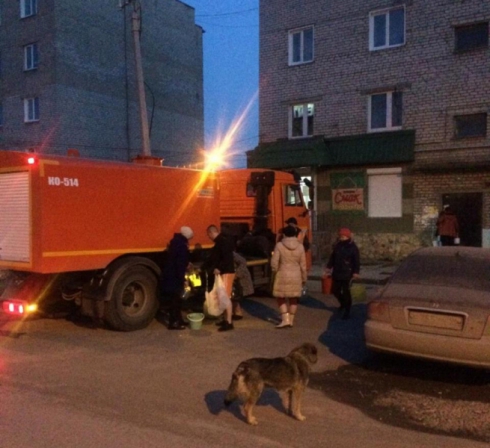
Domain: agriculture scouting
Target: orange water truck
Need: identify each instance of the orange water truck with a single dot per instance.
(96, 231)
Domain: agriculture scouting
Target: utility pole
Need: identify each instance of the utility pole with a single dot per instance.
(136, 30)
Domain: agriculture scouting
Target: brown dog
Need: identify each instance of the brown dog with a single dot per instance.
(290, 373)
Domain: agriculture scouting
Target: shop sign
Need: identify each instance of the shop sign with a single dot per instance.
(347, 191)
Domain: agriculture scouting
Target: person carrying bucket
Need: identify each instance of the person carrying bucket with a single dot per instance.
(344, 264)
(173, 275)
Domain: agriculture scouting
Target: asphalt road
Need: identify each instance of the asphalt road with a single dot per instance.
(65, 385)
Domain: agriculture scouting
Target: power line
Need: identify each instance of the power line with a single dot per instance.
(228, 26)
(228, 13)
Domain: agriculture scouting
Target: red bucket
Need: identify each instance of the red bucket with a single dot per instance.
(326, 284)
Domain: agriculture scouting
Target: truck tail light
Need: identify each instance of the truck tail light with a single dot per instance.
(379, 311)
(18, 307)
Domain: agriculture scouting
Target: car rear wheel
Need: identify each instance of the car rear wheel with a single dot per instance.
(134, 302)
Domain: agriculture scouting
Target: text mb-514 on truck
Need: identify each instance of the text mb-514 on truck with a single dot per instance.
(100, 228)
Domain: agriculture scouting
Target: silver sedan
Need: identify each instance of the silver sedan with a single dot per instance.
(435, 306)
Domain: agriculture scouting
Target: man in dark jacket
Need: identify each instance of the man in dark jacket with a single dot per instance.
(173, 275)
(221, 262)
(345, 265)
(300, 234)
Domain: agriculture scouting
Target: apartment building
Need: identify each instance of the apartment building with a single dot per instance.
(67, 78)
(385, 104)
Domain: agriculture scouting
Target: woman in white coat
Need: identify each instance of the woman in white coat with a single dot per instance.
(289, 265)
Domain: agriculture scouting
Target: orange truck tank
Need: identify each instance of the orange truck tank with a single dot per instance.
(64, 214)
(96, 231)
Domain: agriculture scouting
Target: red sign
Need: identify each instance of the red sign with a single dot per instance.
(348, 199)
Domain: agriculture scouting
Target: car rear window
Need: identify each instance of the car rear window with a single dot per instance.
(455, 271)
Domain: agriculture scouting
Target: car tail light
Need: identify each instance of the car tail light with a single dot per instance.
(18, 307)
(378, 310)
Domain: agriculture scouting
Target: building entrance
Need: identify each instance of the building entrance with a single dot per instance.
(468, 209)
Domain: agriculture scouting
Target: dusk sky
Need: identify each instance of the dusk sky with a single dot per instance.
(231, 47)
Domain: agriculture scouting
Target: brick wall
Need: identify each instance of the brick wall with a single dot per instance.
(436, 82)
(86, 58)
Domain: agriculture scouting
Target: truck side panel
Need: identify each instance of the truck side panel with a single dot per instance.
(86, 213)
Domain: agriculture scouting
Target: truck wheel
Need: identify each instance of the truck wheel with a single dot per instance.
(134, 301)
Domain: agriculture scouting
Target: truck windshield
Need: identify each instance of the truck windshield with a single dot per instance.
(292, 196)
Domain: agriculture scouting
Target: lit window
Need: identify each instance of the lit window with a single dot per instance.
(385, 111)
(387, 28)
(301, 120)
(470, 37)
(301, 46)
(31, 57)
(28, 8)
(31, 110)
(470, 125)
(384, 193)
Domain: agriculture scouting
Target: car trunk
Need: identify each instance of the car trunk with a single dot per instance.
(438, 309)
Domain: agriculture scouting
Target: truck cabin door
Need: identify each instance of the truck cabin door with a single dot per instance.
(293, 206)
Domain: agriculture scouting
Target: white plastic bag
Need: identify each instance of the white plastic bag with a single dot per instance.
(223, 297)
(217, 299)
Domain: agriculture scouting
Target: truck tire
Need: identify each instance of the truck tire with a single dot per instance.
(134, 302)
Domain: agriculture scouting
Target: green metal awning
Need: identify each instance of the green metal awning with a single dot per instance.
(365, 149)
(287, 153)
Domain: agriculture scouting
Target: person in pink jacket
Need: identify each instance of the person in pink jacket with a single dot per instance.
(289, 265)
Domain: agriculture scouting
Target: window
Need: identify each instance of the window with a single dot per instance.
(471, 125)
(385, 111)
(387, 28)
(292, 196)
(31, 109)
(470, 37)
(31, 57)
(301, 46)
(301, 120)
(28, 8)
(384, 193)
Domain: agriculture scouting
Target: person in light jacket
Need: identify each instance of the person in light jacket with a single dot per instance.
(289, 266)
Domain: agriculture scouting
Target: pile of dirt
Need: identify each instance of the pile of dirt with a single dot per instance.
(413, 394)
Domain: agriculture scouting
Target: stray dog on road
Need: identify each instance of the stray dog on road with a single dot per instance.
(290, 373)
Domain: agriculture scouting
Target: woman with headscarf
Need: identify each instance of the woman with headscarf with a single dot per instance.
(173, 275)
